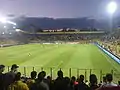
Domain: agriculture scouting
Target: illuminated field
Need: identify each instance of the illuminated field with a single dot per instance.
(64, 56)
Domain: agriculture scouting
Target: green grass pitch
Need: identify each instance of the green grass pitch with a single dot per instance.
(78, 57)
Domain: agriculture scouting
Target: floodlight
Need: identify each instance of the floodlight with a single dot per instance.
(3, 20)
(112, 7)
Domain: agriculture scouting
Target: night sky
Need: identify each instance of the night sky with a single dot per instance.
(56, 8)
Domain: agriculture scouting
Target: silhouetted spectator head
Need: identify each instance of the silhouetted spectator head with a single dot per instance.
(93, 79)
(118, 82)
(104, 79)
(2, 68)
(14, 68)
(48, 77)
(81, 78)
(33, 74)
(43, 73)
(40, 76)
(109, 77)
(18, 76)
(73, 79)
(60, 73)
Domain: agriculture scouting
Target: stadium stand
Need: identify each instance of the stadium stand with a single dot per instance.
(60, 83)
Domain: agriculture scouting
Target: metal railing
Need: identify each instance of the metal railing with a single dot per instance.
(52, 71)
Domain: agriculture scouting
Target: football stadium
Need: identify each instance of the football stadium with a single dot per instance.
(71, 52)
(68, 51)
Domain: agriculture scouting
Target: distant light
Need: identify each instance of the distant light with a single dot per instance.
(14, 27)
(10, 33)
(112, 7)
(4, 26)
(3, 32)
(17, 30)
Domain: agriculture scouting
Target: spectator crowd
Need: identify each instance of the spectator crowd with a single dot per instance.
(13, 81)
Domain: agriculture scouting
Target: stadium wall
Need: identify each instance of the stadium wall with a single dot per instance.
(9, 45)
(108, 53)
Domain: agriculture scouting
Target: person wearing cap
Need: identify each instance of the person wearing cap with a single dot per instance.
(2, 68)
(14, 68)
(10, 76)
